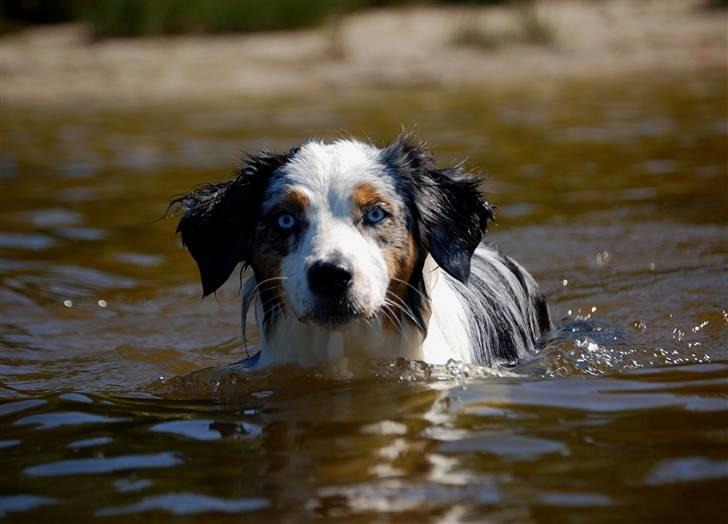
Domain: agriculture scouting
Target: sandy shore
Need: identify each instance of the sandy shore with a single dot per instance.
(406, 47)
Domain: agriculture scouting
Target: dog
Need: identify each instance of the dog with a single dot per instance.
(360, 252)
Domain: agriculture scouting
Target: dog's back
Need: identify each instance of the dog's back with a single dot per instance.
(498, 316)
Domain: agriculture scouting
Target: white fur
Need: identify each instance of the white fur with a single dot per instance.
(293, 342)
(328, 175)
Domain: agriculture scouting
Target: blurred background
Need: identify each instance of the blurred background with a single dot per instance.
(599, 126)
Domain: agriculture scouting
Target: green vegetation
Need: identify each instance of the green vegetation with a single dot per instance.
(108, 18)
(111, 18)
(147, 17)
(143, 17)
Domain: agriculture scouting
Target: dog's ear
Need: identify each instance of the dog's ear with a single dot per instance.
(451, 211)
(219, 222)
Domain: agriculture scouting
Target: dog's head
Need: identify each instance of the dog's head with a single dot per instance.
(337, 232)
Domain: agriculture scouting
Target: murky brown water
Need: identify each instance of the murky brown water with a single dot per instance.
(616, 198)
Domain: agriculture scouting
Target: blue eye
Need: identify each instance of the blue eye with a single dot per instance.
(286, 222)
(375, 215)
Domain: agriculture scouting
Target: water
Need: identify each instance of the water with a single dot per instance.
(118, 394)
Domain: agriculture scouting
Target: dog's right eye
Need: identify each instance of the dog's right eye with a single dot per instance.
(374, 216)
(286, 222)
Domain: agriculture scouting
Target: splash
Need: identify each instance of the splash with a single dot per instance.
(234, 383)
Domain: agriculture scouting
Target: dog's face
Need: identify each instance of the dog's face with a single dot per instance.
(335, 232)
(338, 232)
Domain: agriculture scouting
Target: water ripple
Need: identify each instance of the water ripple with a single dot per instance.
(92, 466)
(18, 503)
(186, 504)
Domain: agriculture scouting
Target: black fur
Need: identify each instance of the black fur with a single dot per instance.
(448, 216)
(218, 227)
(543, 317)
(449, 209)
(507, 320)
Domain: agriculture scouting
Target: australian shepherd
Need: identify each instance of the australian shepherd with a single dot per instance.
(361, 252)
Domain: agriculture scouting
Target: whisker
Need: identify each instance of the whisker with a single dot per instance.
(388, 315)
(265, 305)
(273, 312)
(249, 296)
(271, 279)
(402, 306)
(392, 316)
(420, 293)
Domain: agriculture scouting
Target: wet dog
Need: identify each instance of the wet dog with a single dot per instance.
(359, 252)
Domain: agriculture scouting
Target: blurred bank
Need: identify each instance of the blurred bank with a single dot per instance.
(58, 52)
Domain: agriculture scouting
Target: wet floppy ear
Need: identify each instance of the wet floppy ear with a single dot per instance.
(218, 226)
(451, 211)
(455, 216)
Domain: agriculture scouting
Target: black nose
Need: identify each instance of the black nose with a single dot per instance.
(330, 279)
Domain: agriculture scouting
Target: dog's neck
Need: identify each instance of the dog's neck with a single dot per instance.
(290, 341)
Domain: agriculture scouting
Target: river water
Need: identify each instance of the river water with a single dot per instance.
(118, 394)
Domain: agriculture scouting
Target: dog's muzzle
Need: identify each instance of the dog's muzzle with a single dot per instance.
(330, 282)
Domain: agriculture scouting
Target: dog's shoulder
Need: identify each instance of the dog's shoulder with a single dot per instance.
(507, 315)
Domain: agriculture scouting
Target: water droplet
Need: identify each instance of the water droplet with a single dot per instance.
(603, 257)
(639, 325)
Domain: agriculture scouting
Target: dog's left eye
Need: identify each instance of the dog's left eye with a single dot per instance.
(286, 222)
(375, 215)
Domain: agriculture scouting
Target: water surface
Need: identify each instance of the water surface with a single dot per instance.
(118, 398)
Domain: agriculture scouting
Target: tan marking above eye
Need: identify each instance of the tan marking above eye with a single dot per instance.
(294, 199)
(366, 195)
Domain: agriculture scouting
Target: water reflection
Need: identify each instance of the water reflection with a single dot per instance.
(186, 504)
(88, 466)
(409, 448)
